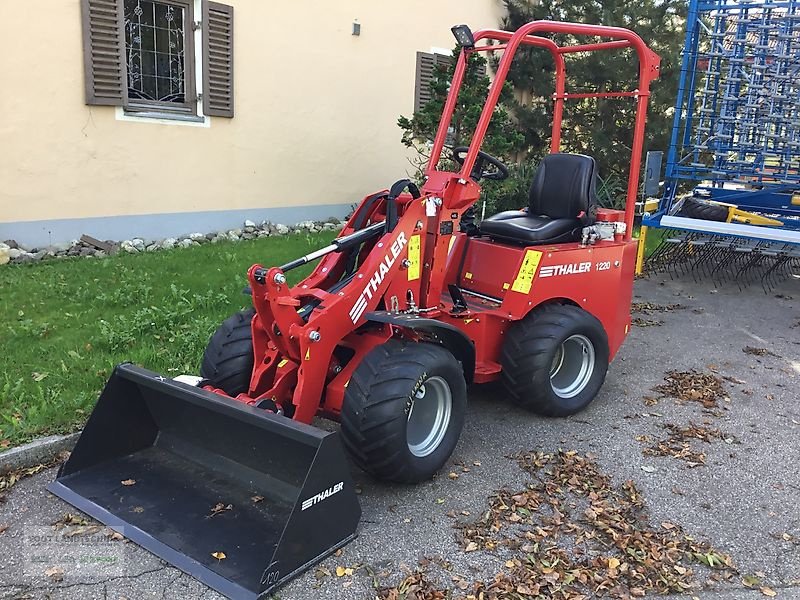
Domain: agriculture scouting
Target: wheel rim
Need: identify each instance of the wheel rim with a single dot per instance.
(429, 416)
(573, 366)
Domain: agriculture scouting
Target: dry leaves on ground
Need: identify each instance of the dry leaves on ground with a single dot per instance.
(571, 534)
(648, 308)
(68, 520)
(415, 586)
(678, 444)
(693, 386)
(640, 322)
(9, 479)
(757, 351)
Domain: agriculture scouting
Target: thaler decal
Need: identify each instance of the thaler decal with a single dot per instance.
(323, 495)
(377, 277)
(568, 269)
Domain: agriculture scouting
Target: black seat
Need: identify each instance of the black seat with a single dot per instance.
(561, 202)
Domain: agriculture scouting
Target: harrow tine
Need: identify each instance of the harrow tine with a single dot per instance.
(771, 276)
(751, 265)
(704, 263)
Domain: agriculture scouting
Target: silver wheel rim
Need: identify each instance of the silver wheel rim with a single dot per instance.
(572, 367)
(429, 416)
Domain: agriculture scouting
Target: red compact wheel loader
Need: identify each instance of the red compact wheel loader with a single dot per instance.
(407, 307)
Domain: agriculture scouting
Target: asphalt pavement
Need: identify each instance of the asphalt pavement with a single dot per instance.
(745, 500)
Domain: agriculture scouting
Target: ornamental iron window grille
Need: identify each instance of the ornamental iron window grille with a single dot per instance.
(155, 51)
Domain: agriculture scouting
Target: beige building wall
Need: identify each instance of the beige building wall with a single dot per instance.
(314, 130)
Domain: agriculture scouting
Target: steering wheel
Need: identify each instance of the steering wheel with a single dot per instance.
(499, 172)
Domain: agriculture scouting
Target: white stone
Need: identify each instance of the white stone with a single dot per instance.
(197, 237)
(4, 256)
(14, 253)
(169, 243)
(249, 223)
(4, 246)
(138, 243)
(128, 246)
(185, 243)
(281, 229)
(60, 247)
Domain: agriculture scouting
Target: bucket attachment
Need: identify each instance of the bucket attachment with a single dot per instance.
(237, 497)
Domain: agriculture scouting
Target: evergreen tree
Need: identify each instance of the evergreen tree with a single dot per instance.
(519, 133)
(503, 138)
(602, 127)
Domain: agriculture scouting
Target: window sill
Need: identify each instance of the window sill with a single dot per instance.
(163, 118)
(151, 114)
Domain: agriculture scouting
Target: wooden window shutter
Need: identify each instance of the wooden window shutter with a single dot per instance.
(217, 59)
(426, 63)
(104, 52)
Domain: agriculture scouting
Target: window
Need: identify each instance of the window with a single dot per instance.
(158, 55)
(140, 54)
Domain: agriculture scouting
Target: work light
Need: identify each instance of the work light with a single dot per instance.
(463, 36)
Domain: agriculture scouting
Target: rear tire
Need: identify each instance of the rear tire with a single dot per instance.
(555, 360)
(404, 410)
(228, 359)
(702, 209)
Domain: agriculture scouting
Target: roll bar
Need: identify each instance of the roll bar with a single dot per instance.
(616, 38)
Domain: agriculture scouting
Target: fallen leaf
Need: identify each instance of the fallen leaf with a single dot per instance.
(471, 547)
(769, 592)
(751, 581)
(321, 572)
(452, 475)
(128, 482)
(440, 501)
(257, 499)
(138, 509)
(648, 469)
(55, 573)
(219, 555)
(613, 563)
(219, 508)
(4, 527)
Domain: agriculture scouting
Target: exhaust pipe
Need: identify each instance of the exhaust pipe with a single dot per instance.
(181, 451)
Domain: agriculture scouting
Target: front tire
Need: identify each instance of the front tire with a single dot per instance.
(555, 360)
(404, 410)
(228, 359)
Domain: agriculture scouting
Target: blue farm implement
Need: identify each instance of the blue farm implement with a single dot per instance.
(731, 206)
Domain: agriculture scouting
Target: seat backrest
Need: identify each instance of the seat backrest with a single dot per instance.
(564, 188)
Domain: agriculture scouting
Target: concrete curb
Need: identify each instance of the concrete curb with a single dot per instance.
(36, 452)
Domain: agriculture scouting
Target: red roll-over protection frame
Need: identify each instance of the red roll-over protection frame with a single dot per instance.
(618, 38)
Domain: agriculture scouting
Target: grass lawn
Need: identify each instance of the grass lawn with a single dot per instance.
(64, 324)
